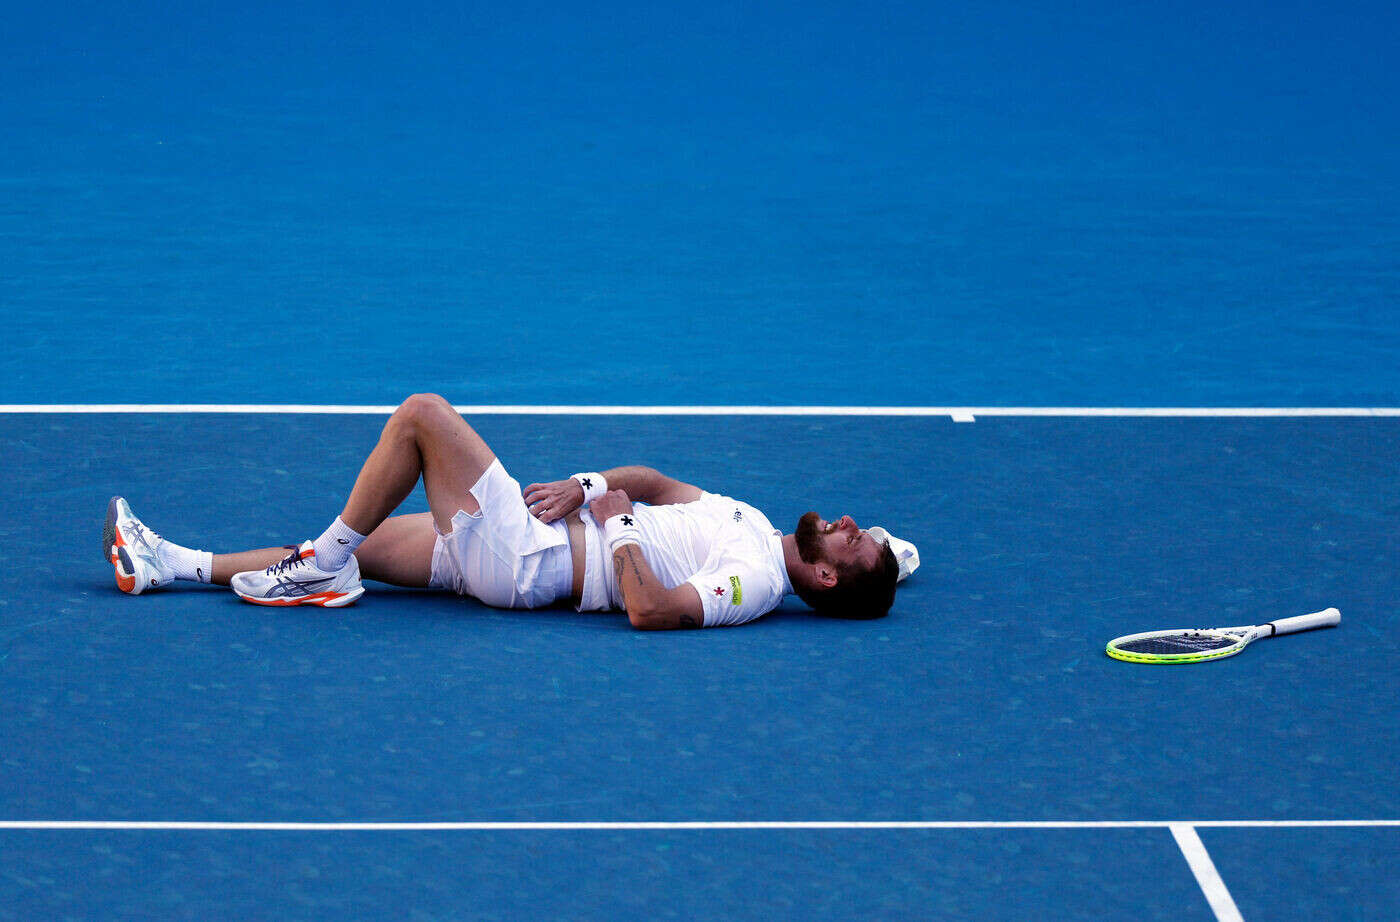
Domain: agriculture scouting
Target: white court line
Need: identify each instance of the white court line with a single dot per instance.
(957, 414)
(233, 826)
(1217, 894)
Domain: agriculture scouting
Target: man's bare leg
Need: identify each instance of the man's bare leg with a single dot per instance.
(225, 565)
(424, 438)
(398, 552)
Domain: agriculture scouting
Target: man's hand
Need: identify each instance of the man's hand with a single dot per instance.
(551, 501)
(611, 503)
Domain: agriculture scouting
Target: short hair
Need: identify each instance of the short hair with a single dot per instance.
(859, 595)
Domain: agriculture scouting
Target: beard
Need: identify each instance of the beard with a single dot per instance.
(809, 538)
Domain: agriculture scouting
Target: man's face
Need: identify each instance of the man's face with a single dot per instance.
(841, 543)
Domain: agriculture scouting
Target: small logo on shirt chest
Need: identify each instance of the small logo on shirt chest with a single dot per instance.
(738, 515)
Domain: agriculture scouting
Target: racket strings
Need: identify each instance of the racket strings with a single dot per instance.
(1176, 643)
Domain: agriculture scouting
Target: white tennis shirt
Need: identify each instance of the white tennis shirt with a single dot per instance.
(726, 549)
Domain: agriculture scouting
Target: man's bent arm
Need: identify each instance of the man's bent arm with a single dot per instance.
(650, 605)
(648, 485)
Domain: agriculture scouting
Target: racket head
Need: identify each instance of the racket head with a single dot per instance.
(1181, 645)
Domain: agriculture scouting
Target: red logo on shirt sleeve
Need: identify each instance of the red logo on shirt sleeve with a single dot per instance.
(719, 590)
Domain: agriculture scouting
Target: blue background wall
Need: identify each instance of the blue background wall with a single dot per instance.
(805, 203)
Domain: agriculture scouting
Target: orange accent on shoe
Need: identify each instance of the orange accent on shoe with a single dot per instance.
(125, 581)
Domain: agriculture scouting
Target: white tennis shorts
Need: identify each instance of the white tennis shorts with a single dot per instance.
(503, 555)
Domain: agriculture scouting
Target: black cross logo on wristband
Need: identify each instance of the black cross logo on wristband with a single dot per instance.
(587, 483)
(626, 520)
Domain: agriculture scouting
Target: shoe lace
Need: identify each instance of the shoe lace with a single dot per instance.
(144, 535)
(286, 563)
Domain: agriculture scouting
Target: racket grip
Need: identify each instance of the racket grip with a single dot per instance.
(1325, 618)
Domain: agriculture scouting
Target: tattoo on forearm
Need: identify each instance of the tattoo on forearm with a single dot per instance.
(629, 553)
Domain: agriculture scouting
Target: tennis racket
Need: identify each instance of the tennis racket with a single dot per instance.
(1205, 644)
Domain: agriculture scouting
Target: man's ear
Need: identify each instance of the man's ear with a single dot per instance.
(826, 575)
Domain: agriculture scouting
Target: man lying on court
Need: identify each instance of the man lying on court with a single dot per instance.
(685, 559)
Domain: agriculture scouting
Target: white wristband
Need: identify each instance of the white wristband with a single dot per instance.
(621, 529)
(594, 485)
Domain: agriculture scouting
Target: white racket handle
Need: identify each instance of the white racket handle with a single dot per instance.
(1325, 618)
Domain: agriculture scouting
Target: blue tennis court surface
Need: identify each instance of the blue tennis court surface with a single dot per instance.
(985, 695)
(771, 204)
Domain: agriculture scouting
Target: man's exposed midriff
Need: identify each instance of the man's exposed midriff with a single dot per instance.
(578, 551)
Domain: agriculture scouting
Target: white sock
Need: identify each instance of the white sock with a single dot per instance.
(185, 562)
(334, 547)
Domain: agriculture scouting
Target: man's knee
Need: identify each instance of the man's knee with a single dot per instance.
(422, 411)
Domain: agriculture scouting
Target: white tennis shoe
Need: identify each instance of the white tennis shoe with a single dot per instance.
(132, 550)
(296, 580)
